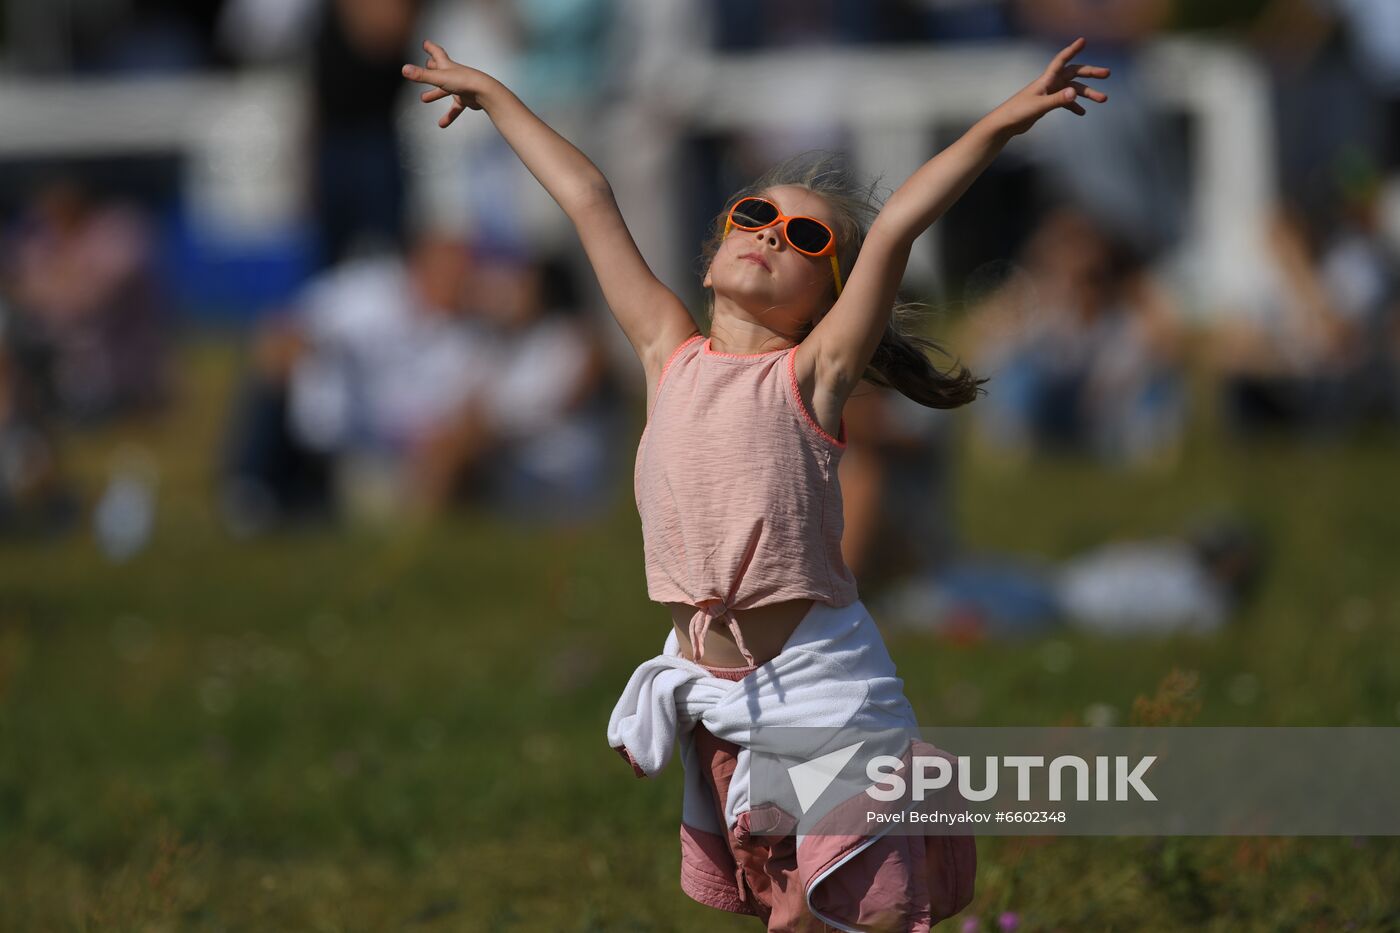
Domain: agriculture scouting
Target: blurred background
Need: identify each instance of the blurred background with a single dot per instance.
(319, 564)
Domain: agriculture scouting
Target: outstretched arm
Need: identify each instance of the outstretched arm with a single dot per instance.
(650, 314)
(844, 341)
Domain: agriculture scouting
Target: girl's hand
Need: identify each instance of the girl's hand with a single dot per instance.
(1054, 89)
(463, 84)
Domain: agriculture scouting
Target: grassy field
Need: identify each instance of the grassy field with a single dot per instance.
(405, 730)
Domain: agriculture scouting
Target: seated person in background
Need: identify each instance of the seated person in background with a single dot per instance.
(1318, 349)
(377, 355)
(540, 440)
(1083, 351)
(81, 275)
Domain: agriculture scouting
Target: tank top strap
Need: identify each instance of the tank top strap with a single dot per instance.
(688, 344)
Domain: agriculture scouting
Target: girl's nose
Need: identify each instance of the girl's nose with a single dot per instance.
(768, 235)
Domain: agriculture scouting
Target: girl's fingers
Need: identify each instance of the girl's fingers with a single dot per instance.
(1091, 93)
(1087, 71)
(1042, 104)
(414, 73)
(451, 115)
(1076, 108)
(436, 51)
(436, 93)
(1066, 54)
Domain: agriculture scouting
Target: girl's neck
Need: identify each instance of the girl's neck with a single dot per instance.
(730, 334)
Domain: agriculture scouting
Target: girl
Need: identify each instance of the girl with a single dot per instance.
(736, 469)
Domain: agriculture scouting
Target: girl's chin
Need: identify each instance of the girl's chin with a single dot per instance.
(755, 284)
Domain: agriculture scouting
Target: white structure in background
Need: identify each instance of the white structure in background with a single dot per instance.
(241, 137)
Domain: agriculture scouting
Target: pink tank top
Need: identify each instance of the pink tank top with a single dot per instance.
(737, 489)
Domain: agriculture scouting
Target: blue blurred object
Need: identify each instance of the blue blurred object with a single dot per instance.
(124, 516)
(233, 280)
(994, 595)
(1011, 596)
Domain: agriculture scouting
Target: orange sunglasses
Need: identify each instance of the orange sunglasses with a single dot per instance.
(807, 235)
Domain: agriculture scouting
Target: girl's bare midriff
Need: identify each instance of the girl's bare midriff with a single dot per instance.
(765, 628)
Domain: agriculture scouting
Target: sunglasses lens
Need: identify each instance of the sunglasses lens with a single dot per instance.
(753, 212)
(808, 235)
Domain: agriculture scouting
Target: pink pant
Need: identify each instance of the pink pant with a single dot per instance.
(765, 868)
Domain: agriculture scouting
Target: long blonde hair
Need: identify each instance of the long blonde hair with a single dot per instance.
(900, 361)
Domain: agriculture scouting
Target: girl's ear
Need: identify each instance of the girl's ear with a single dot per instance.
(708, 282)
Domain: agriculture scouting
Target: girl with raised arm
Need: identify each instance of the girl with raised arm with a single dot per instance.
(740, 505)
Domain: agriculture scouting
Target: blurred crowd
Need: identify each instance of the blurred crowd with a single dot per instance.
(451, 372)
(422, 365)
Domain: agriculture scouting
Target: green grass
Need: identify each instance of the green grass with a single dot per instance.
(405, 730)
